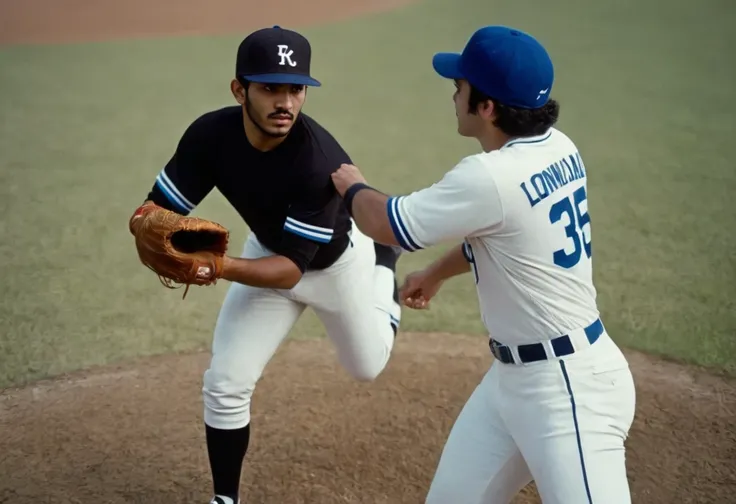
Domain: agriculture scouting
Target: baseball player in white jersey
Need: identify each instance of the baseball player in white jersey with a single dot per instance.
(557, 403)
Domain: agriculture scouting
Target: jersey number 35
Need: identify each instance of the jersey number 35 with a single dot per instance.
(576, 229)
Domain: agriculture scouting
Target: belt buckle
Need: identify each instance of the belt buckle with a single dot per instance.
(495, 345)
(497, 351)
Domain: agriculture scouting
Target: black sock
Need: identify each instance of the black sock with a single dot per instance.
(387, 257)
(226, 450)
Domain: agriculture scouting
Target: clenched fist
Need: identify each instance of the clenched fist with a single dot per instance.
(418, 289)
(345, 176)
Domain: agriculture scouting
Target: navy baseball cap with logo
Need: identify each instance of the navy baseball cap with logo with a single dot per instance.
(505, 64)
(275, 56)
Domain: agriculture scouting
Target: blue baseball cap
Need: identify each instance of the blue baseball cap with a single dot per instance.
(504, 63)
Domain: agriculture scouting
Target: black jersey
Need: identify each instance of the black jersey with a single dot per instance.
(286, 195)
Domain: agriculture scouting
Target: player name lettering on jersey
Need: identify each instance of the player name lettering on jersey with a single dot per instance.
(557, 175)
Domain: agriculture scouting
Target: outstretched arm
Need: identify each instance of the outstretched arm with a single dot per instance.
(463, 203)
(370, 215)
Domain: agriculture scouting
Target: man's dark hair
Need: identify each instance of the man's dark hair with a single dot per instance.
(515, 121)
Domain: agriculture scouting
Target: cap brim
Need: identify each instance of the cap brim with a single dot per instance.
(447, 65)
(283, 78)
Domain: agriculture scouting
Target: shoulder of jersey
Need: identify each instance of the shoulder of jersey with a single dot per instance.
(320, 137)
(475, 172)
(314, 128)
(497, 167)
(214, 119)
(482, 163)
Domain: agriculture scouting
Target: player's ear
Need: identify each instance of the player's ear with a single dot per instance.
(238, 91)
(486, 109)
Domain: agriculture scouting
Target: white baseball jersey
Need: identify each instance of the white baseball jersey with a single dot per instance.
(523, 215)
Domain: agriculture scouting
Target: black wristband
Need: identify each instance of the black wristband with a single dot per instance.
(350, 194)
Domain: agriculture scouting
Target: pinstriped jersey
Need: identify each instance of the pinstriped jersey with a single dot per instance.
(285, 196)
(521, 213)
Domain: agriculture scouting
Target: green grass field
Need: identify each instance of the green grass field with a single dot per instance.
(646, 92)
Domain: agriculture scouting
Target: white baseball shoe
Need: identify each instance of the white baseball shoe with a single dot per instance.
(221, 499)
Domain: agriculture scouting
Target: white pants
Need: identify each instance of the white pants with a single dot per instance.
(561, 423)
(353, 298)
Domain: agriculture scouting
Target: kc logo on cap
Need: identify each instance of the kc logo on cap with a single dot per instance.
(275, 56)
(286, 56)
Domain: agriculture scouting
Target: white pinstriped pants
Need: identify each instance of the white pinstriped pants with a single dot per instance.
(353, 298)
(561, 423)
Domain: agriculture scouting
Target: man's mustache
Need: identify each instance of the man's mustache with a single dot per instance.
(279, 113)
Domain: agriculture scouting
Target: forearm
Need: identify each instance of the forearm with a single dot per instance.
(371, 217)
(451, 264)
(275, 272)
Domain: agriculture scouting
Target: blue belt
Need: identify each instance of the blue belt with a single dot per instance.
(534, 352)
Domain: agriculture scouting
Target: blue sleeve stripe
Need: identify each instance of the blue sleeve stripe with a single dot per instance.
(308, 227)
(306, 233)
(397, 225)
(173, 194)
(172, 197)
(175, 190)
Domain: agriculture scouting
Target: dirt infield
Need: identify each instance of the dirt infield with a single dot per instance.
(134, 433)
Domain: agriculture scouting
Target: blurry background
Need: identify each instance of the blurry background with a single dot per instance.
(646, 92)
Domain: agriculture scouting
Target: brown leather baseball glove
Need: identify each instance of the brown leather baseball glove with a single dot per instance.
(179, 249)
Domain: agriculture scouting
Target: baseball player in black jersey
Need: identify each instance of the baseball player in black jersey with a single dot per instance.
(274, 165)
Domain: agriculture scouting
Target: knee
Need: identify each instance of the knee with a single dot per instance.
(369, 365)
(226, 398)
(366, 375)
(367, 371)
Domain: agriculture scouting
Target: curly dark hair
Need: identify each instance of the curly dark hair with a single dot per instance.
(515, 121)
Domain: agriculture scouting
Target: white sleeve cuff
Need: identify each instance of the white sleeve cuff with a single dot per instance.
(398, 225)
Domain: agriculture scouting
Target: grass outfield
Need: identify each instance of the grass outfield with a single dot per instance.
(86, 128)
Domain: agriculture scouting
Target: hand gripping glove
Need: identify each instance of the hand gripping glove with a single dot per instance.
(179, 249)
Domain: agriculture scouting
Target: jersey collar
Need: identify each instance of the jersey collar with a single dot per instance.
(528, 140)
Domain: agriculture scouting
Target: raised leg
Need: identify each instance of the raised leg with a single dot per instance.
(356, 300)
